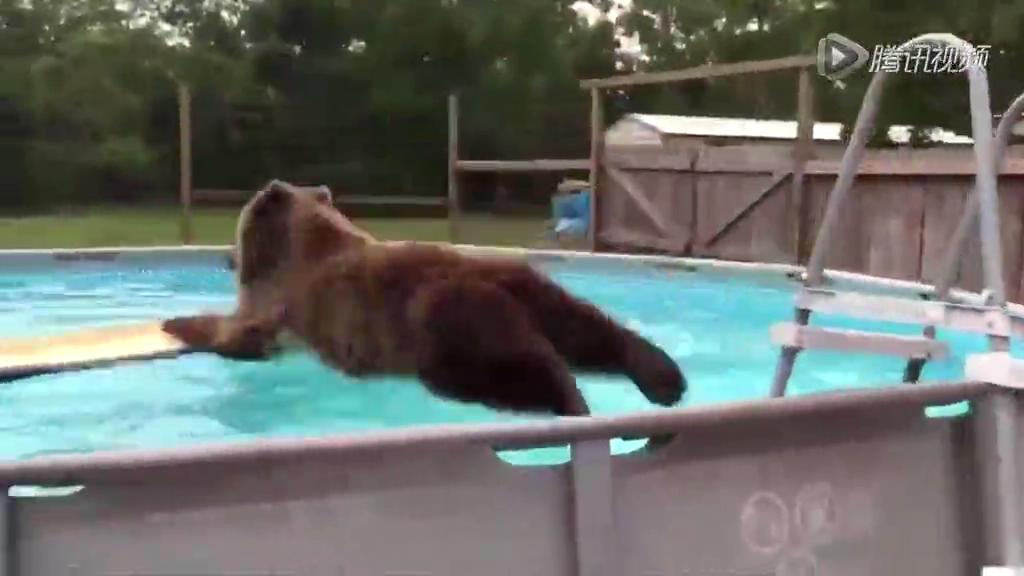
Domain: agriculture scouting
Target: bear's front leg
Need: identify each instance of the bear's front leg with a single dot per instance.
(227, 336)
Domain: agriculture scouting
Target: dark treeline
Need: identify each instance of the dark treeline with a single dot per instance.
(352, 92)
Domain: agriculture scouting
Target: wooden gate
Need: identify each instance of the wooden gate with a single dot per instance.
(717, 202)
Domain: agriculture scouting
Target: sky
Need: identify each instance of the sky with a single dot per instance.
(592, 14)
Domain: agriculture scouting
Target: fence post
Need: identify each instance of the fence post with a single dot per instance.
(453, 169)
(596, 143)
(185, 153)
(802, 152)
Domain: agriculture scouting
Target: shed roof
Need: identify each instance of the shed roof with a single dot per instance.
(712, 126)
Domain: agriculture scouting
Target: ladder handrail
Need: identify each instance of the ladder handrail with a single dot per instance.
(985, 191)
(984, 180)
(966, 226)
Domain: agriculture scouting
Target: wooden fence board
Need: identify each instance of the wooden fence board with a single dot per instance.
(638, 197)
(847, 252)
(669, 194)
(892, 214)
(896, 225)
(643, 160)
(1011, 210)
(757, 237)
(745, 210)
(944, 203)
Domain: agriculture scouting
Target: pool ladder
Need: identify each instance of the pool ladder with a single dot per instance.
(937, 309)
(997, 412)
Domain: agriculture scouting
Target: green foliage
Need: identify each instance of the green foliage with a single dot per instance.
(352, 92)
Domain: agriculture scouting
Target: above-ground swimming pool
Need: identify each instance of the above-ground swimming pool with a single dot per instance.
(715, 326)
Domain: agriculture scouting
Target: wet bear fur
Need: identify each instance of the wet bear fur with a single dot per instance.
(493, 331)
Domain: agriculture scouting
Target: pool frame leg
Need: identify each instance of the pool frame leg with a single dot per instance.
(915, 366)
(8, 535)
(787, 359)
(999, 480)
(593, 509)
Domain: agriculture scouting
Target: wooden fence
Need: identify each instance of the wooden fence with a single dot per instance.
(732, 203)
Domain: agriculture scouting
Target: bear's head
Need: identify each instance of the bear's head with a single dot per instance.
(284, 230)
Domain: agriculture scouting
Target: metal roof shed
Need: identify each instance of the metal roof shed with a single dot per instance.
(678, 184)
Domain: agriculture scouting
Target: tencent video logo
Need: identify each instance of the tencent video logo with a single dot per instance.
(838, 56)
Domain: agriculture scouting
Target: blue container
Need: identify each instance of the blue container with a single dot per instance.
(571, 212)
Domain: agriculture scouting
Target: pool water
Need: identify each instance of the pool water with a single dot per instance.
(716, 328)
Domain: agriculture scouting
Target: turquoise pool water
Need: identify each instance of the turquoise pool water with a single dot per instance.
(716, 328)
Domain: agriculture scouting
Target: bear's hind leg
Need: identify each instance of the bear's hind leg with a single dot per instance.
(477, 344)
(589, 339)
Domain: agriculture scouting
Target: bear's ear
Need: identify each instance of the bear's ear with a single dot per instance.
(324, 195)
(274, 197)
(263, 242)
(277, 192)
(276, 185)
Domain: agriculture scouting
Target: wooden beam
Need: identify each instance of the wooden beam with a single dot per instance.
(453, 173)
(594, 163)
(371, 200)
(871, 166)
(793, 335)
(648, 160)
(678, 162)
(84, 348)
(542, 165)
(220, 196)
(185, 159)
(802, 152)
(746, 164)
(229, 196)
(746, 210)
(701, 72)
(910, 166)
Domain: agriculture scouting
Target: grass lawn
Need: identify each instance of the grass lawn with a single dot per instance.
(110, 227)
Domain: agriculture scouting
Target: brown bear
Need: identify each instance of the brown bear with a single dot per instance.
(493, 331)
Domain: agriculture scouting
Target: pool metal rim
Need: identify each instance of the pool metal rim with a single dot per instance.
(778, 271)
(110, 465)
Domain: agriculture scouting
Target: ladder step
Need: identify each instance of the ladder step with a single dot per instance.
(791, 334)
(999, 368)
(964, 317)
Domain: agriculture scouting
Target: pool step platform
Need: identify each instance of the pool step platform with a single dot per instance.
(991, 320)
(999, 368)
(794, 335)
